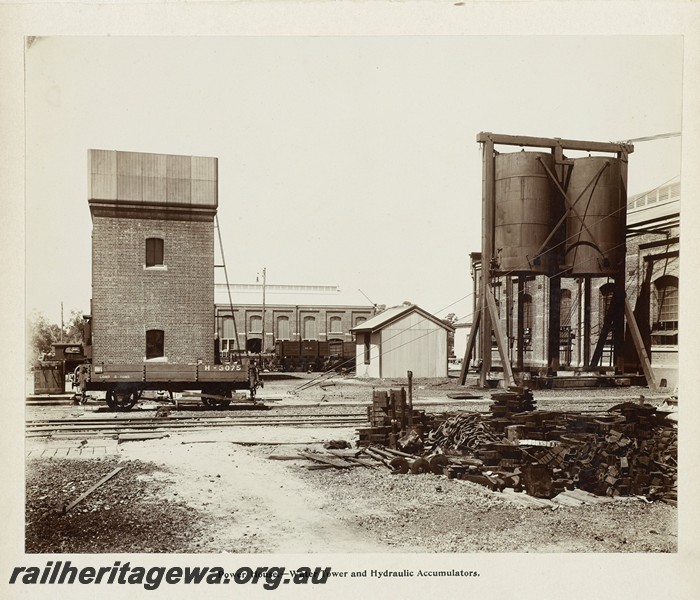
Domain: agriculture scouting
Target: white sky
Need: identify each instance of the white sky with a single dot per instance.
(348, 160)
(384, 125)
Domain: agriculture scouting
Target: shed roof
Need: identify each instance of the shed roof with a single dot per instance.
(393, 314)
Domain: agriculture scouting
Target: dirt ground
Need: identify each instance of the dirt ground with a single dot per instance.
(205, 491)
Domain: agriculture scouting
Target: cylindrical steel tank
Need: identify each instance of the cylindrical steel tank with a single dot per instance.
(595, 230)
(525, 213)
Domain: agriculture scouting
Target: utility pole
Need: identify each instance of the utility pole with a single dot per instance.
(374, 305)
(262, 347)
(61, 322)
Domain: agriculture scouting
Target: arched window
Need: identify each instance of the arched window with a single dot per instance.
(154, 252)
(359, 320)
(665, 326)
(335, 325)
(255, 324)
(155, 343)
(310, 328)
(283, 328)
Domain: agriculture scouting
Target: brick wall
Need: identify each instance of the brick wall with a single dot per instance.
(129, 299)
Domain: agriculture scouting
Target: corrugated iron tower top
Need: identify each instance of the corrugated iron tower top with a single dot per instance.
(137, 184)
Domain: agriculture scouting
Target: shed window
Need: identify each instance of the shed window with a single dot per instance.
(154, 252)
(367, 347)
(155, 343)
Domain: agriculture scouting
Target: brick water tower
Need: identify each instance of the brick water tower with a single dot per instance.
(152, 256)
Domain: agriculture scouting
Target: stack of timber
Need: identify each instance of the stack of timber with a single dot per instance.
(393, 423)
(514, 400)
(631, 450)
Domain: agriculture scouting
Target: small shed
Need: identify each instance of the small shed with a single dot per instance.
(400, 339)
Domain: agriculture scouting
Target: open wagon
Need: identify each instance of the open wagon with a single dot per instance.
(124, 384)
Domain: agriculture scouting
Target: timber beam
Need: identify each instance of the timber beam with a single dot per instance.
(541, 142)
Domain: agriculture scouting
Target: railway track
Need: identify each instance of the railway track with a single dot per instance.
(114, 426)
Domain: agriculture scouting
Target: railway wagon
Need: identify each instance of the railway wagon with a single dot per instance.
(124, 384)
(312, 355)
(152, 318)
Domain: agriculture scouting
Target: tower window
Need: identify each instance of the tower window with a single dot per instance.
(154, 252)
(155, 343)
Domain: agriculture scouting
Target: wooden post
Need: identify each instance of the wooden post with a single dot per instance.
(487, 209)
(641, 349)
(521, 324)
(470, 345)
(586, 321)
(500, 341)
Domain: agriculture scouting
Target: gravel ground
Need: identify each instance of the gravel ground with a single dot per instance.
(122, 515)
(176, 498)
(430, 513)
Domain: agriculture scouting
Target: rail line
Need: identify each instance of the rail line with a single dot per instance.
(107, 426)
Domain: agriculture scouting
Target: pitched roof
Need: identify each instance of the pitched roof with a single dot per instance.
(390, 315)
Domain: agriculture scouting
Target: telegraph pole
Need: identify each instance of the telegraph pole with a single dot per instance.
(262, 347)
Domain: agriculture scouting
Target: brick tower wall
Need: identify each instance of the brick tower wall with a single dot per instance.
(129, 298)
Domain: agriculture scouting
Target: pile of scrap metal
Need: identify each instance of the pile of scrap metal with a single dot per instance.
(631, 450)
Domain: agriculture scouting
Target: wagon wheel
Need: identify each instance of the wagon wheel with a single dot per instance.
(399, 465)
(122, 400)
(217, 402)
(420, 465)
(438, 464)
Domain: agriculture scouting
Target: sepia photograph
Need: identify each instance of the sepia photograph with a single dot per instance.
(350, 313)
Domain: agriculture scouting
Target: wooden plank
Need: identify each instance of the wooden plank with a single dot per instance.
(222, 375)
(82, 497)
(170, 372)
(565, 499)
(326, 460)
(121, 373)
(540, 142)
(353, 459)
(139, 437)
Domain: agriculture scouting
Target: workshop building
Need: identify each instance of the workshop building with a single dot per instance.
(400, 339)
